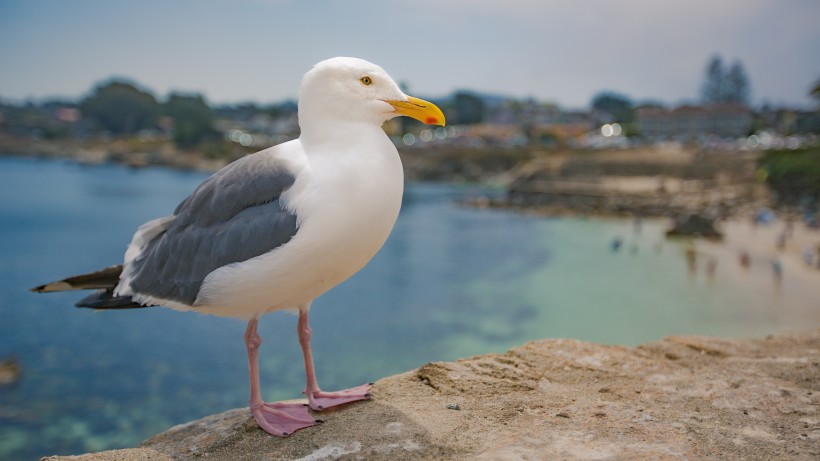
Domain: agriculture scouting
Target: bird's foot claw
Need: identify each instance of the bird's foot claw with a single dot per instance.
(320, 400)
(282, 419)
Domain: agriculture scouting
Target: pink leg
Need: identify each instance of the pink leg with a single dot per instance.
(318, 399)
(280, 419)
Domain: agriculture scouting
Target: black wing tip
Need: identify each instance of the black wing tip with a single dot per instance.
(105, 299)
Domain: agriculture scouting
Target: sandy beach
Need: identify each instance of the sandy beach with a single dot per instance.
(795, 290)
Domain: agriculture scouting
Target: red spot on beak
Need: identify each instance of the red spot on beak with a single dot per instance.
(431, 120)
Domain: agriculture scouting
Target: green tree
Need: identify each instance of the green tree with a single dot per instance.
(618, 106)
(815, 91)
(193, 118)
(721, 86)
(468, 108)
(711, 92)
(120, 107)
(794, 174)
(736, 85)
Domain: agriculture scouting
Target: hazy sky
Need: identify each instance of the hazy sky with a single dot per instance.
(558, 51)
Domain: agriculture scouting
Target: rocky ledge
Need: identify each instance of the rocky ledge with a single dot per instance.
(680, 398)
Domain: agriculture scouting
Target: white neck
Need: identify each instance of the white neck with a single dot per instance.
(318, 134)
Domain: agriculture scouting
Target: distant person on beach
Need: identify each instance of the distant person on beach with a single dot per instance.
(711, 266)
(777, 269)
(745, 260)
(808, 255)
(781, 241)
(764, 216)
(692, 259)
(818, 256)
(615, 245)
(662, 186)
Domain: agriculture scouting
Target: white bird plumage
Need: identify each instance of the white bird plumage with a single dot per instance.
(331, 197)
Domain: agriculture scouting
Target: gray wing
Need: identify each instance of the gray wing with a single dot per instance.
(233, 216)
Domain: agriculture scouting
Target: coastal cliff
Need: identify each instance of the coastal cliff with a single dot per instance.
(680, 398)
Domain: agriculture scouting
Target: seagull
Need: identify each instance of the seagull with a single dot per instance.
(274, 230)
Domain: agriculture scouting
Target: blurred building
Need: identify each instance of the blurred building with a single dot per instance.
(540, 124)
(789, 121)
(689, 123)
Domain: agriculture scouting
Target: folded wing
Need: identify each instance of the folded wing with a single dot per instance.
(233, 216)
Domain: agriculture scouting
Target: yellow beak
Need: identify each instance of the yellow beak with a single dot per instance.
(419, 109)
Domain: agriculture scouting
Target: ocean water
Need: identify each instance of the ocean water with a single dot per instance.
(450, 282)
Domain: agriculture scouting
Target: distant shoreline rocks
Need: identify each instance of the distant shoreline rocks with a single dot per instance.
(694, 225)
(10, 371)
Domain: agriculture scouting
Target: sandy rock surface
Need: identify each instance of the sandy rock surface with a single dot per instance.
(680, 398)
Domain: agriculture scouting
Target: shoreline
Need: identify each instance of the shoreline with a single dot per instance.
(740, 233)
(644, 181)
(129, 152)
(734, 215)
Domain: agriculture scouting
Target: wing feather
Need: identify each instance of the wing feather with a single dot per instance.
(234, 215)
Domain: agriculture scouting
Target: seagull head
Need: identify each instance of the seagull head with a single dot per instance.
(352, 89)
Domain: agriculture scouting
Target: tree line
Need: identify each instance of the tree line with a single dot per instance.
(121, 108)
(725, 86)
(721, 85)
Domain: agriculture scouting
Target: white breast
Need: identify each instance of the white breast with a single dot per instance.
(347, 203)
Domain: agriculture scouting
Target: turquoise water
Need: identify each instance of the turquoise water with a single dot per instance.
(449, 283)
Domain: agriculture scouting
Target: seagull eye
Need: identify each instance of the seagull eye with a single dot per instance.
(366, 81)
